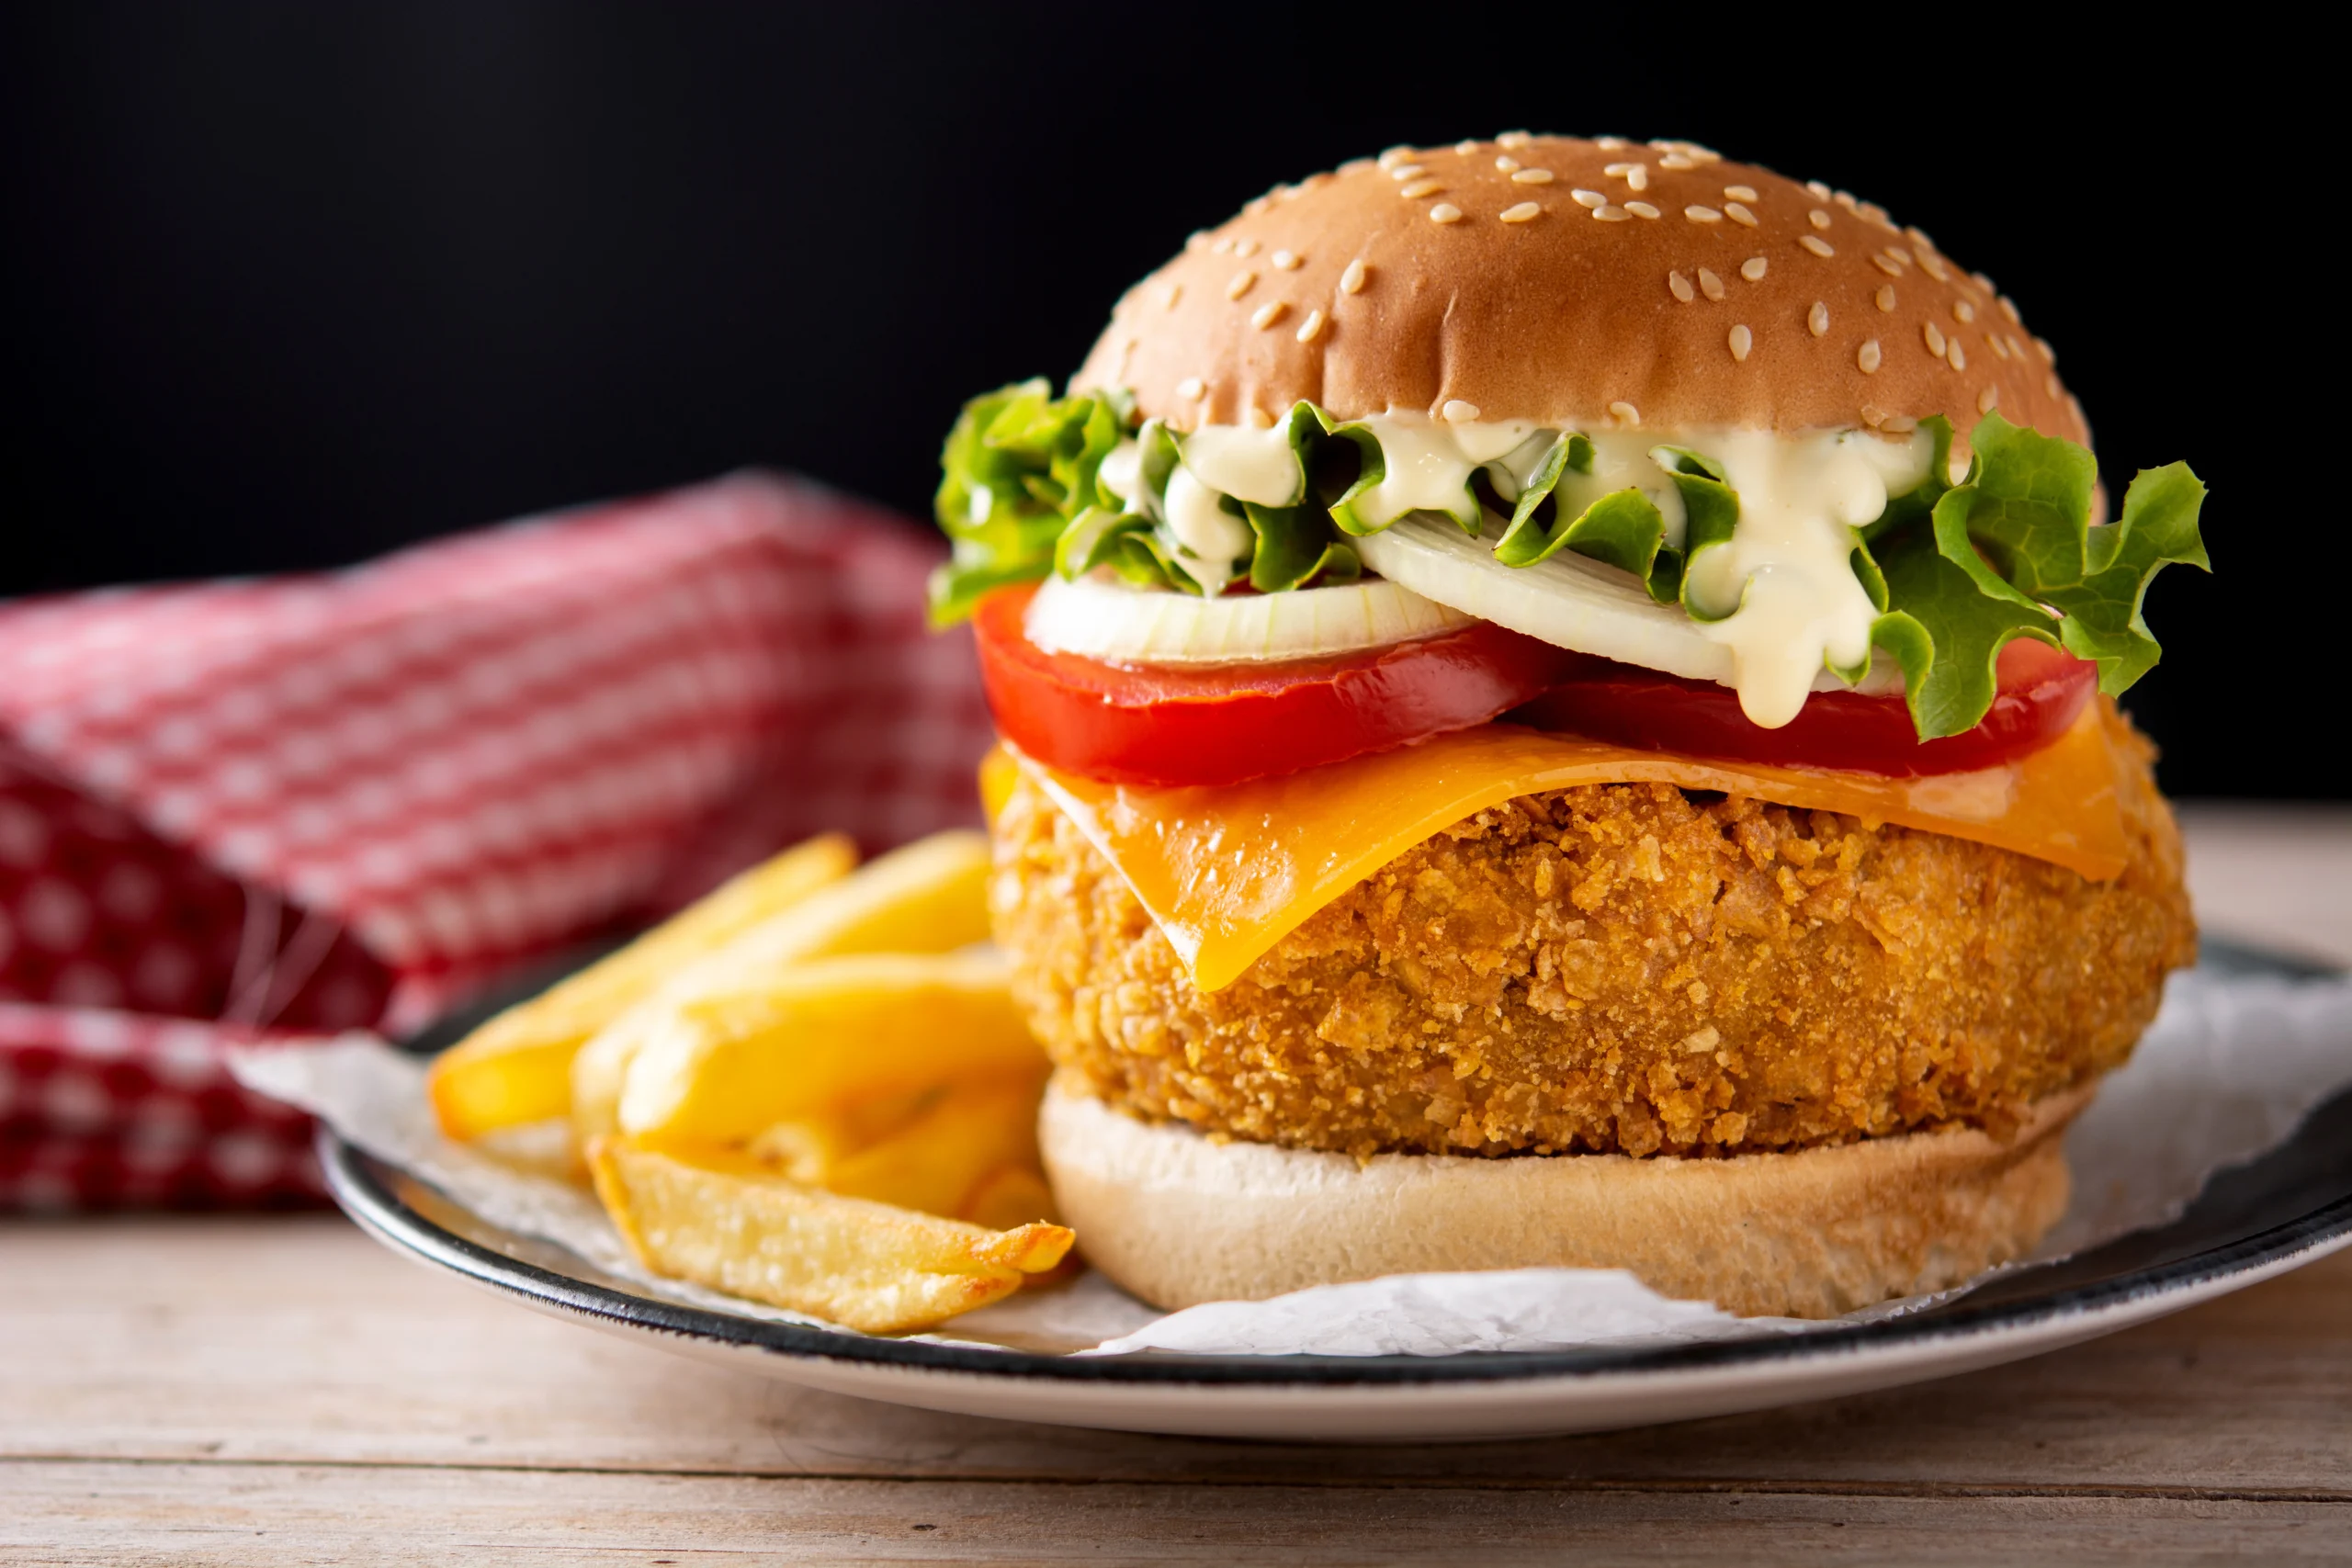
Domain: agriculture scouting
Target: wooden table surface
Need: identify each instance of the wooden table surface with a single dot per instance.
(280, 1390)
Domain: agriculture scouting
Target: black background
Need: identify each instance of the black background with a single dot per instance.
(288, 285)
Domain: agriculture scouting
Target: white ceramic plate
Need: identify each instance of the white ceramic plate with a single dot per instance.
(2260, 1220)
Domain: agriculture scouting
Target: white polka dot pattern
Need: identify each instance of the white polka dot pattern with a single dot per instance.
(284, 807)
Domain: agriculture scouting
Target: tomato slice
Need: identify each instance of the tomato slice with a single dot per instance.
(2042, 689)
(1219, 725)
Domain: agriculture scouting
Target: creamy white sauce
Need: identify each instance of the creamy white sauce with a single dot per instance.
(1246, 463)
(1784, 584)
(1786, 576)
(1620, 460)
(1121, 470)
(1211, 541)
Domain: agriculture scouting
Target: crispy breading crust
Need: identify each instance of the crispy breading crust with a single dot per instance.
(1620, 969)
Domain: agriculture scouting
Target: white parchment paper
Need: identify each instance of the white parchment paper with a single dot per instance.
(2229, 1070)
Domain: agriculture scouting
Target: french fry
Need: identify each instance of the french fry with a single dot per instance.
(929, 896)
(937, 1162)
(821, 1034)
(852, 1261)
(516, 1068)
(1012, 1197)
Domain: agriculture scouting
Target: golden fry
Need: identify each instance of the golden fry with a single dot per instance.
(929, 896)
(516, 1068)
(718, 1069)
(847, 1259)
(938, 1161)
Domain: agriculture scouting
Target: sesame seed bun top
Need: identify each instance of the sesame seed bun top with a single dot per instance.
(1580, 282)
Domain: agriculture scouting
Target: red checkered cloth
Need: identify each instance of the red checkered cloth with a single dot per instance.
(275, 810)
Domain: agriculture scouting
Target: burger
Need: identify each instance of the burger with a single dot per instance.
(1558, 702)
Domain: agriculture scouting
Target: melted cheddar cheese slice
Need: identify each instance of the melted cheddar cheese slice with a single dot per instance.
(1228, 871)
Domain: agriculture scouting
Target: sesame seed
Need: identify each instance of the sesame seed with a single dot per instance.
(1933, 268)
(1874, 416)
(1844, 199)
(1816, 244)
(1351, 280)
(1403, 172)
(1619, 171)
(1742, 340)
(1241, 284)
(1255, 205)
(1513, 138)
(1898, 255)
(1988, 399)
(2015, 346)
(1710, 285)
(1420, 189)
(1311, 328)
(1590, 198)
(1261, 418)
(1703, 215)
(1445, 212)
(1198, 240)
(1740, 214)
(1680, 287)
(1935, 337)
(2051, 386)
(1611, 214)
(1876, 214)
(2010, 309)
(1525, 212)
(2000, 349)
(1507, 165)
(1286, 260)
(1267, 315)
(1625, 412)
(1820, 191)
(1356, 165)
(1466, 148)
(1456, 411)
(1675, 160)
(1887, 297)
(1753, 269)
(1642, 209)
(1817, 217)
(1611, 143)
(1886, 264)
(1246, 249)
(1190, 389)
(1957, 354)
(1899, 424)
(1395, 155)
(1224, 247)
(1962, 311)
(1175, 292)
(1985, 283)
(1919, 238)
(1740, 193)
(1817, 320)
(2047, 352)
(1867, 358)
(1531, 176)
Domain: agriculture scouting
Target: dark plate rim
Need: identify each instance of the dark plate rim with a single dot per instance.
(365, 1187)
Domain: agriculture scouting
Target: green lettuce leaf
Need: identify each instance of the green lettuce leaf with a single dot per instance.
(2011, 552)
(1017, 467)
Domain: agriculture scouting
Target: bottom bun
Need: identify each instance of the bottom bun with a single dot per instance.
(1179, 1220)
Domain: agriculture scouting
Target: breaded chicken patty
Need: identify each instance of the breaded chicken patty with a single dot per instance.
(1628, 968)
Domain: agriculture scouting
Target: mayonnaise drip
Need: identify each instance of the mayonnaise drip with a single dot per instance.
(1246, 463)
(1787, 573)
(1783, 585)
